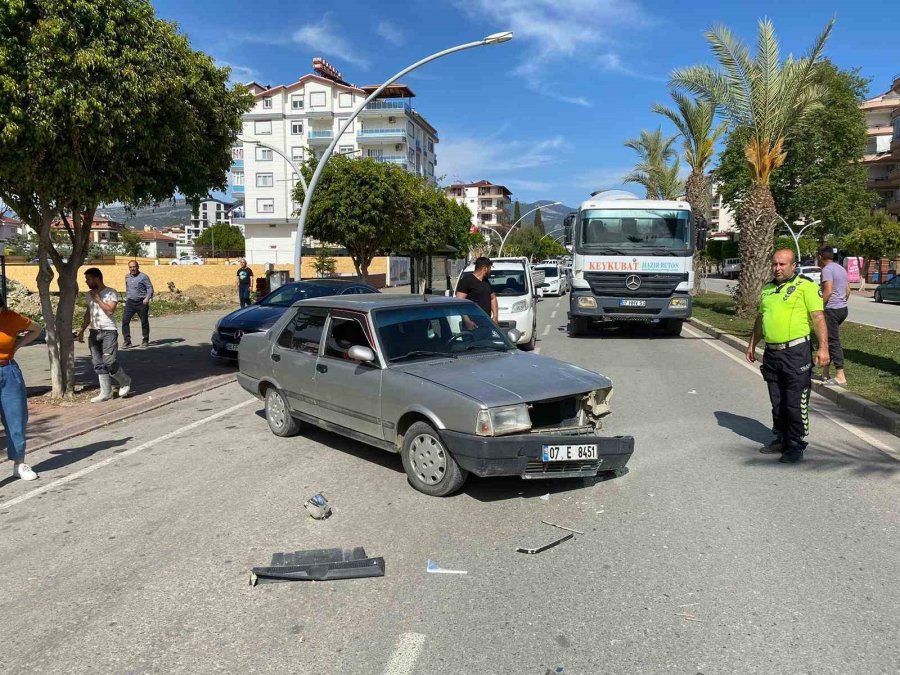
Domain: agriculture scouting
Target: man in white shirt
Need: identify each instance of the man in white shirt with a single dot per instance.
(103, 339)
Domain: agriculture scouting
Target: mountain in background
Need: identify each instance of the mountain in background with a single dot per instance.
(165, 215)
(552, 216)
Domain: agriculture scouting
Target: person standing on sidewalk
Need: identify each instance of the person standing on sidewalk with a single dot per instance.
(791, 306)
(244, 279)
(13, 395)
(103, 339)
(835, 292)
(138, 293)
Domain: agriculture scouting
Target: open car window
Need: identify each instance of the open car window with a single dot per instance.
(304, 332)
(343, 333)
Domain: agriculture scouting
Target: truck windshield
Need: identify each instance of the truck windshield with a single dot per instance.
(508, 282)
(627, 231)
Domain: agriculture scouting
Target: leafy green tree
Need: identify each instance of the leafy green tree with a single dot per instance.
(879, 238)
(324, 263)
(770, 98)
(654, 168)
(132, 244)
(102, 102)
(220, 239)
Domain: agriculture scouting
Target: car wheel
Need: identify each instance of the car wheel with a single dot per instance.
(278, 414)
(430, 468)
(578, 326)
(529, 346)
(878, 297)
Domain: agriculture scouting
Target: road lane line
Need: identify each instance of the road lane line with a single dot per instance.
(537, 350)
(112, 458)
(846, 426)
(553, 314)
(405, 655)
(546, 329)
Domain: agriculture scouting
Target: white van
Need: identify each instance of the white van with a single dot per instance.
(731, 268)
(517, 290)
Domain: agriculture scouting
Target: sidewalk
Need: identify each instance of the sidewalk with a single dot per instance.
(176, 365)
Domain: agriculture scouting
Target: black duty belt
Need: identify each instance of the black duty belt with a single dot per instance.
(784, 345)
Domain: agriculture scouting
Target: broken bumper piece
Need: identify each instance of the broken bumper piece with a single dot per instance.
(326, 564)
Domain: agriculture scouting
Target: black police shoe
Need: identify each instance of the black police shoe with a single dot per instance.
(772, 448)
(791, 456)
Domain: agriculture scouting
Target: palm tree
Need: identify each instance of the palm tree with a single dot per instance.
(651, 171)
(769, 98)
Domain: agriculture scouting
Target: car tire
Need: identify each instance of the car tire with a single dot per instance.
(672, 327)
(578, 326)
(878, 297)
(278, 414)
(529, 346)
(429, 466)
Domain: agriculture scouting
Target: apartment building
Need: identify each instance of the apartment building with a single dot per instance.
(722, 224)
(301, 119)
(882, 154)
(488, 203)
(205, 214)
(104, 230)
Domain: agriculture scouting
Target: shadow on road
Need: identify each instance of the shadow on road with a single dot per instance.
(744, 426)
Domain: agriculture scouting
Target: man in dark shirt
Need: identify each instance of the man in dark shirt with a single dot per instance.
(244, 278)
(475, 287)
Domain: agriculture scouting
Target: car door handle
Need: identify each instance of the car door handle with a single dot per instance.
(321, 367)
(276, 357)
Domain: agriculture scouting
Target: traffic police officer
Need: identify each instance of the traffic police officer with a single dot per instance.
(790, 306)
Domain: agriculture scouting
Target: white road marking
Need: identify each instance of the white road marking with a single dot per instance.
(537, 350)
(405, 655)
(553, 314)
(733, 355)
(112, 458)
(546, 329)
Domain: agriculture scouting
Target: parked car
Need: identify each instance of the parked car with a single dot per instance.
(431, 378)
(731, 268)
(517, 290)
(188, 260)
(889, 291)
(811, 271)
(260, 317)
(554, 277)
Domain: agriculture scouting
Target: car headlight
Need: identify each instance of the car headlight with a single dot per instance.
(587, 302)
(678, 303)
(519, 306)
(501, 421)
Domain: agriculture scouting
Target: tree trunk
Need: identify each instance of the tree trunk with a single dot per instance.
(695, 188)
(757, 240)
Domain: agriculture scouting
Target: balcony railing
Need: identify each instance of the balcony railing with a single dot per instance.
(237, 189)
(320, 134)
(397, 132)
(389, 104)
(391, 159)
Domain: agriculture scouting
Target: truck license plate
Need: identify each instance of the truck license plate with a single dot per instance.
(632, 303)
(569, 453)
(231, 347)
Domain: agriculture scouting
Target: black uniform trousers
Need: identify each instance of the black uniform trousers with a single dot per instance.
(788, 374)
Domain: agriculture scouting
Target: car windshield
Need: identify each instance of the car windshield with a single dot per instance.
(628, 231)
(409, 333)
(291, 293)
(549, 270)
(508, 282)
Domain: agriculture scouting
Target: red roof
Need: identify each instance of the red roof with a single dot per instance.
(481, 183)
(100, 223)
(9, 221)
(155, 236)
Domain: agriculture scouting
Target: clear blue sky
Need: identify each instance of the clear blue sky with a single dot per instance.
(547, 113)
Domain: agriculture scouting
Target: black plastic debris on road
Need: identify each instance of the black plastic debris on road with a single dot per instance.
(541, 549)
(324, 564)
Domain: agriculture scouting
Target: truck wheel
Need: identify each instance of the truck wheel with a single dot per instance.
(578, 326)
(278, 414)
(672, 327)
(429, 467)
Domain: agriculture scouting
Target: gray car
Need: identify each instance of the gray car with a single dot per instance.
(435, 380)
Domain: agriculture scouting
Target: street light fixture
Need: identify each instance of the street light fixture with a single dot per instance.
(797, 235)
(509, 232)
(496, 38)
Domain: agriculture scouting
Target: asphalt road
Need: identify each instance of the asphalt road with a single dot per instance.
(132, 553)
(862, 310)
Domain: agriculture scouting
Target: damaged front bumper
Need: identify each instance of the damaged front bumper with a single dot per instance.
(521, 454)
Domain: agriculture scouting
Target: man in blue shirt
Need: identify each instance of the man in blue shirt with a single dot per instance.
(138, 292)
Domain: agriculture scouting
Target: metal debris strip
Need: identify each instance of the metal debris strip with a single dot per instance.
(324, 564)
(541, 549)
(318, 506)
(567, 529)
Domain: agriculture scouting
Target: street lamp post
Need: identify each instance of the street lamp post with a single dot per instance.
(797, 235)
(555, 229)
(496, 38)
(509, 232)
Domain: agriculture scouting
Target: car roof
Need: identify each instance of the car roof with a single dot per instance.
(372, 301)
(332, 282)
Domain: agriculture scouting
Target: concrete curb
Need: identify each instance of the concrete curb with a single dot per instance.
(854, 403)
(139, 407)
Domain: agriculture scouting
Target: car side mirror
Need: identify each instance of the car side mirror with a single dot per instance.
(361, 354)
(514, 335)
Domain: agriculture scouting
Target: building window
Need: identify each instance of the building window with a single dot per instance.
(341, 122)
(345, 101)
(203, 206)
(317, 99)
(237, 178)
(267, 103)
(237, 153)
(296, 128)
(410, 129)
(431, 146)
(265, 206)
(411, 155)
(297, 102)
(297, 153)
(264, 180)
(262, 127)
(263, 154)
(346, 150)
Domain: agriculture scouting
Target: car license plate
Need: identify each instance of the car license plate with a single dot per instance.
(632, 303)
(569, 453)
(231, 347)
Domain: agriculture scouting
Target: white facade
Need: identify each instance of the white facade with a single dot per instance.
(488, 203)
(206, 214)
(882, 153)
(300, 119)
(721, 218)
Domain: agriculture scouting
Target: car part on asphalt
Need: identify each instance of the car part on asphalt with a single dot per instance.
(324, 564)
(567, 529)
(432, 567)
(541, 549)
(318, 506)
